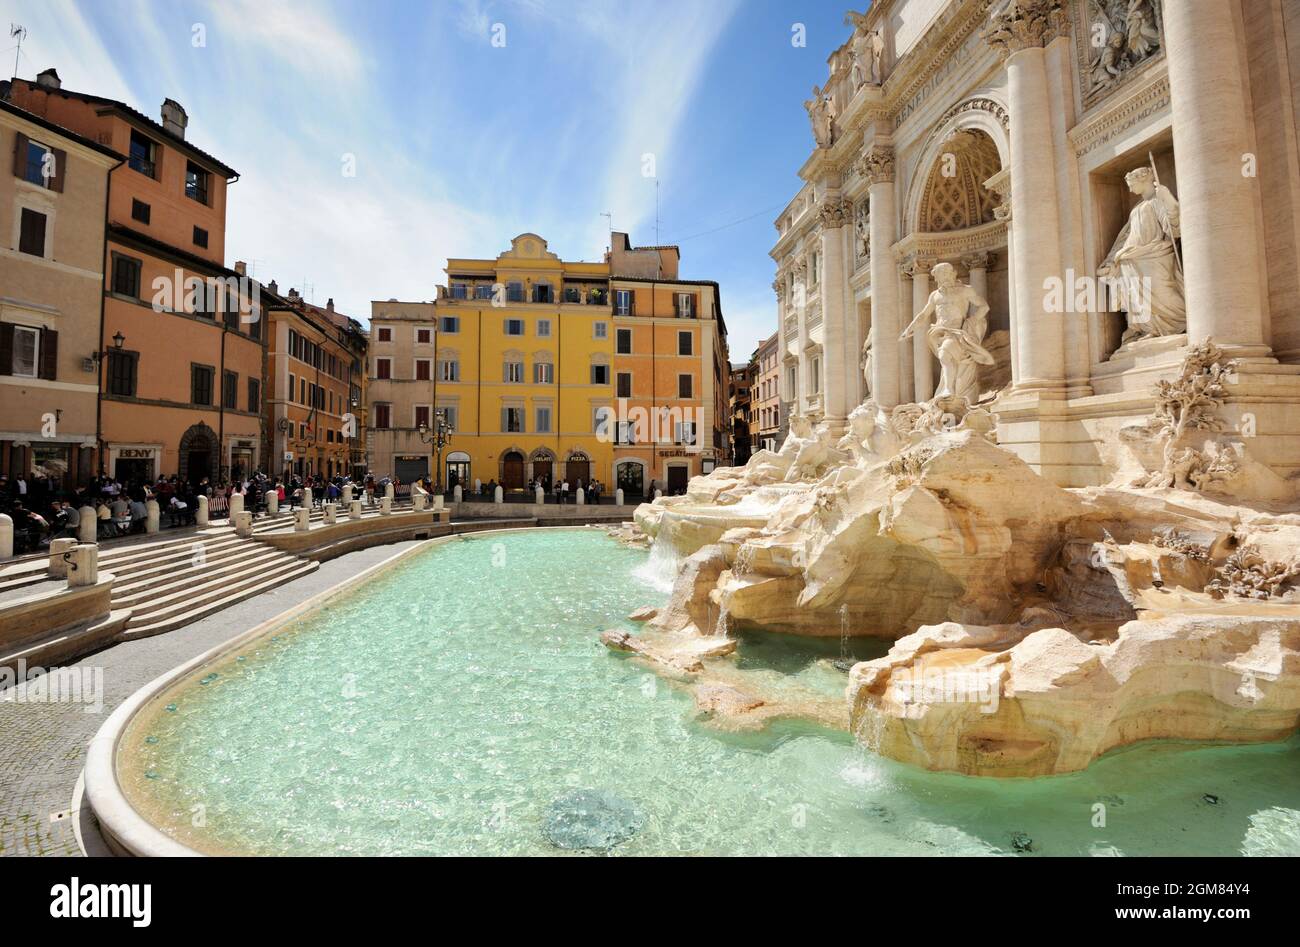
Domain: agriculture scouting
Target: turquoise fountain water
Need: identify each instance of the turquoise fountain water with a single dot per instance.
(459, 703)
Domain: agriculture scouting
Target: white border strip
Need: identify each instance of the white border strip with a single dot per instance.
(122, 825)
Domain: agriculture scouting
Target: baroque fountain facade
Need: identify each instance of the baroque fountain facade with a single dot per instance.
(1041, 334)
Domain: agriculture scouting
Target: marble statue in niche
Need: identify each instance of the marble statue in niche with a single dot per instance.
(957, 335)
(1143, 274)
(862, 230)
(866, 362)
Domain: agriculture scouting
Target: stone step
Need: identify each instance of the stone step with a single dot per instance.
(64, 644)
(182, 559)
(152, 552)
(149, 584)
(187, 596)
(158, 625)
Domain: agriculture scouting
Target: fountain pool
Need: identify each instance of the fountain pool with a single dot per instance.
(459, 701)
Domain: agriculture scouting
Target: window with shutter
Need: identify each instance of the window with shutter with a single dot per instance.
(31, 237)
(201, 384)
(230, 390)
(254, 395)
(625, 384)
(122, 373)
(685, 386)
(126, 276)
(24, 351)
(49, 367)
(6, 348)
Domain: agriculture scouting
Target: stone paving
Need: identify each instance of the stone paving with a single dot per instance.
(43, 745)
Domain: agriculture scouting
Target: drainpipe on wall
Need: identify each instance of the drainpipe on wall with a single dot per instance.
(99, 361)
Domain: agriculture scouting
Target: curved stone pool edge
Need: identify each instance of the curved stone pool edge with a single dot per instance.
(124, 829)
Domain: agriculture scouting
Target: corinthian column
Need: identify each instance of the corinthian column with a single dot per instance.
(834, 213)
(877, 166)
(1021, 32)
(1211, 112)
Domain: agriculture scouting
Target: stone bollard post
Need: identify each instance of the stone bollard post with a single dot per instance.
(6, 536)
(418, 501)
(82, 562)
(87, 524)
(438, 503)
(272, 502)
(581, 497)
(236, 505)
(456, 494)
(153, 517)
(354, 510)
(301, 520)
(331, 513)
(306, 498)
(347, 493)
(498, 495)
(58, 568)
(201, 515)
(540, 496)
(385, 506)
(618, 497)
(388, 490)
(244, 524)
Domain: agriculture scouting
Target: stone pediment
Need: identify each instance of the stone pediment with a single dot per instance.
(528, 247)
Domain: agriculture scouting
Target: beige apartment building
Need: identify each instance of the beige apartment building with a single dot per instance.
(52, 206)
(401, 388)
(766, 427)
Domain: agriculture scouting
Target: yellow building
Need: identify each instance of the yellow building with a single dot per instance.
(523, 369)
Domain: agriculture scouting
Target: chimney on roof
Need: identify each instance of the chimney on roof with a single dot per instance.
(273, 288)
(49, 79)
(174, 118)
(241, 267)
(329, 306)
(293, 294)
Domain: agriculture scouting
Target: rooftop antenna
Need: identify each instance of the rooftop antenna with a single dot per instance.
(609, 215)
(20, 32)
(656, 211)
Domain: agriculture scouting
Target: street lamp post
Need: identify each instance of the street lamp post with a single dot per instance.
(439, 435)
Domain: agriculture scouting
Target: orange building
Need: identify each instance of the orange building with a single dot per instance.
(181, 335)
(316, 360)
(670, 370)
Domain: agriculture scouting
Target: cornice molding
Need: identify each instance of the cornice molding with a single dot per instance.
(1140, 104)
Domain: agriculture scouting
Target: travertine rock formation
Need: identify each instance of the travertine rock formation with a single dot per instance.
(1035, 627)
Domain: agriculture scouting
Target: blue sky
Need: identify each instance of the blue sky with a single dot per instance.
(459, 145)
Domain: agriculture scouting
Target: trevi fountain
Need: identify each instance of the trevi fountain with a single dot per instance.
(1070, 518)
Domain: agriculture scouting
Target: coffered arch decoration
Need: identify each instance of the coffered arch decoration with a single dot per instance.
(975, 133)
(954, 197)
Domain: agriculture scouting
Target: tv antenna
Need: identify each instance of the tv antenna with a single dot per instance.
(609, 215)
(656, 211)
(20, 33)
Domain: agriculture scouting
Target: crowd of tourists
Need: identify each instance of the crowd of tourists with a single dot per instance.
(43, 509)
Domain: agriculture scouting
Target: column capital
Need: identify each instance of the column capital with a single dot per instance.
(834, 212)
(1026, 24)
(914, 266)
(980, 260)
(876, 165)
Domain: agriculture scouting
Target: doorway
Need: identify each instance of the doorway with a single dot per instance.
(677, 478)
(512, 471)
